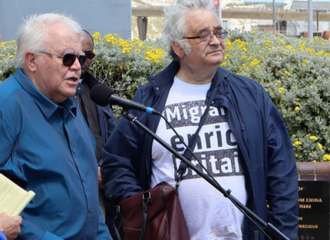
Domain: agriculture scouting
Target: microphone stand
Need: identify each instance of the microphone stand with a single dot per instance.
(268, 227)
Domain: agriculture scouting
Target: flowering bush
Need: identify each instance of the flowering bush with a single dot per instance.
(293, 71)
(7, 54)
(125, 65)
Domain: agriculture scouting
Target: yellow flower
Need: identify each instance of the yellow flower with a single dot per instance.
(110, 38)
(268, 44)
(320, 53)
(287, 73)
(137, 42)
(320, 146)
(289, 47)
(296, 143)
(126, 50)
(277, 82)
(228, 44)
(296, 108)
(302, 46)
(255, 63)
(280, 90)
(96, 35)
(310, 51)
(313, 137)
(326, 157)
(242, 47)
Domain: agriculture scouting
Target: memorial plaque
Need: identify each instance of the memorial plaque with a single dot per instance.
(313, 210)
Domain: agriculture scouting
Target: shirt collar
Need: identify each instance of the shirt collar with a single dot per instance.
(47, 107)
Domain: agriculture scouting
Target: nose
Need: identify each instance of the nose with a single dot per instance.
(76, 65)
(212, 37)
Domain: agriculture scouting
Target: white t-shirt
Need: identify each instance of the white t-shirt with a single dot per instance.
(209, 215)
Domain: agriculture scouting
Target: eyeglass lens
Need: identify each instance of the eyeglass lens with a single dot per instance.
(209, 36)
(69, 58)
(90, 54)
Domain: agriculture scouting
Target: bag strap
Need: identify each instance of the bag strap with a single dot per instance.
(118, 225)
(222, 73)
(146, 201)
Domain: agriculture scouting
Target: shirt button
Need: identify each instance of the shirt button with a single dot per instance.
(90, 210)
(84, 179)
(73, 150)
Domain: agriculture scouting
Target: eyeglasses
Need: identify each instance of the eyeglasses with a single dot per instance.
(206, 37)
(90, 54)
(69, 58)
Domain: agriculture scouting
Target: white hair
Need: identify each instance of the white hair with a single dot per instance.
(31, 33)
(174, 28)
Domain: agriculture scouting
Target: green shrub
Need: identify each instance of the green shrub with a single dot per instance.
(293, 71)
(7, 54)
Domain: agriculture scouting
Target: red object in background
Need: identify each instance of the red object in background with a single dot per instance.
(216, 3)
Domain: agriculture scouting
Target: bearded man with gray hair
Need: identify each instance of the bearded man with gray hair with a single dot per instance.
(243, 143)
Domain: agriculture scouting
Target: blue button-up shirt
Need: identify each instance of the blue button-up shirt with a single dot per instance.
(49, 149)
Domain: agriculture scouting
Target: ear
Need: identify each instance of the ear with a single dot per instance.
(30, 61)
(178, 50)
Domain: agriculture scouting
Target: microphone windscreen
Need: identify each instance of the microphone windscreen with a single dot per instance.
(100, 94)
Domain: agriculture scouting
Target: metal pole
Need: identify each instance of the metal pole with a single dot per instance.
(220, 15)
(310, 19)
(317, 20)
(274, 26)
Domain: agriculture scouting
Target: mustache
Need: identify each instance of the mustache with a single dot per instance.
(215, 50)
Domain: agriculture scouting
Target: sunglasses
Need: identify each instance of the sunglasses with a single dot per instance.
(69, 58)
(90, 54)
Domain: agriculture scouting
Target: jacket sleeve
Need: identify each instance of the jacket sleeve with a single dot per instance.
(282, 179)
(121, 159)
(107, 122)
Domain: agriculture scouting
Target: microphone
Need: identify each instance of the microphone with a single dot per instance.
(102, 95)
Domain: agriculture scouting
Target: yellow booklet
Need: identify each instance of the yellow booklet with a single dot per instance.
(13, 198)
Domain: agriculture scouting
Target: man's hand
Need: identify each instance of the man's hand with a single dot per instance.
(99, 177)
(10, 226)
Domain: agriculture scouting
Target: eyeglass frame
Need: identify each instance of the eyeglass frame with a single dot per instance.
(77, 56)
(209, 36)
